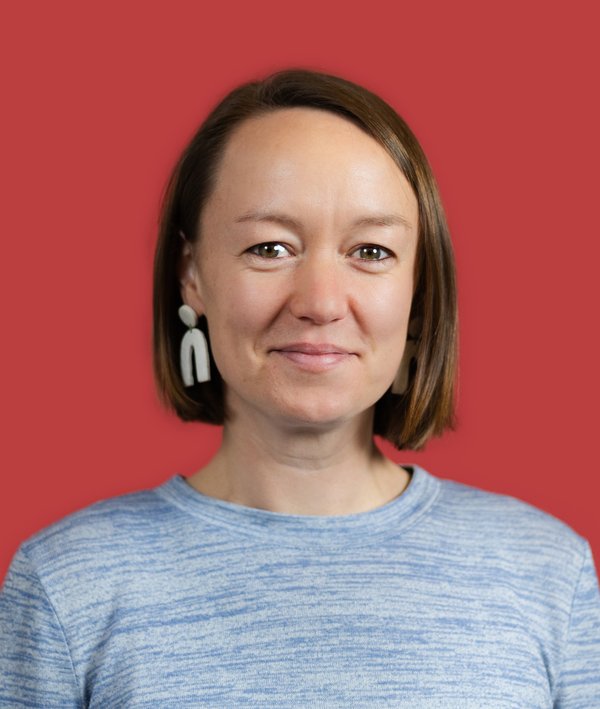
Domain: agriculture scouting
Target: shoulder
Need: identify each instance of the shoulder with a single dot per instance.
(108, 529)
(504, 526)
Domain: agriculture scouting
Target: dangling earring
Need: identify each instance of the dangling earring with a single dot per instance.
(194, 349)
(400, 383)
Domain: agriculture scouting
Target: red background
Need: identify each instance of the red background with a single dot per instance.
(99, 98)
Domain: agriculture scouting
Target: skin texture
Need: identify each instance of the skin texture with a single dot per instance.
(304, 268)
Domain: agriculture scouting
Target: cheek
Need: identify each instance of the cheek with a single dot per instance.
(389, 311)
(239, 311)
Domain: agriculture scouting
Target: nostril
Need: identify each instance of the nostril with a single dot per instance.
(318, 306)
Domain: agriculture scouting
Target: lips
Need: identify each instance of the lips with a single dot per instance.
(313, 357)
(313, 349)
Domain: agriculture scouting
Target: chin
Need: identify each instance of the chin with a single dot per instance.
(312, 407)
(319, 412)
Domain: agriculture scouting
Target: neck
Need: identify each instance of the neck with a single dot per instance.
(293, 469)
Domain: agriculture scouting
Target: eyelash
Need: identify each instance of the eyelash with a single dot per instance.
(374, 247)
(254, 251)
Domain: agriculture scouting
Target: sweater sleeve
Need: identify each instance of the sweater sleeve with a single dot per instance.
(579, 682)
(35, 663)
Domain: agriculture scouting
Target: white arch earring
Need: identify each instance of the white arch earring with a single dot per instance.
(194, 349)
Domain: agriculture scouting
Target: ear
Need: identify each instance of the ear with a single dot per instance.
(189, 279)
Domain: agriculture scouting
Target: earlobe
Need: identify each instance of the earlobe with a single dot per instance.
(189, 280)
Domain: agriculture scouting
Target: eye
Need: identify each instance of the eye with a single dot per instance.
(371, 252)
(269, 250)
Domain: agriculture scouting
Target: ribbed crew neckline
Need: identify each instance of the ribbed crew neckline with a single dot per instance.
(308, 530)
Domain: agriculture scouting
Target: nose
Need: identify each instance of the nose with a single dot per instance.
(320, 290)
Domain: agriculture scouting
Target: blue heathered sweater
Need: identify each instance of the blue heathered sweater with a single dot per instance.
(445, 597)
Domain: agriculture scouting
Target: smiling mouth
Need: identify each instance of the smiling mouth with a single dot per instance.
(314, 358)
(312, 349)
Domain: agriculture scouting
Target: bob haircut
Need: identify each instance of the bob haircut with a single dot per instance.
(426, 407)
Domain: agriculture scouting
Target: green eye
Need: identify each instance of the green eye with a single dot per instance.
(369, 252)
(269, 250)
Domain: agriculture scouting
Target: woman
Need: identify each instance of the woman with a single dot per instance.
(304, 247)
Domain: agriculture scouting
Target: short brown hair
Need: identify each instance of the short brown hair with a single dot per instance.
(427, 406)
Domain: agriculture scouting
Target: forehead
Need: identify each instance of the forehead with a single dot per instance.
(305, 157)
(304, 124)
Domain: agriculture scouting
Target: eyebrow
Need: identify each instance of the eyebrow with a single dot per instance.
(384, 220)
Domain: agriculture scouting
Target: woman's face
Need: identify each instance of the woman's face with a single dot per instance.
(304, 268)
